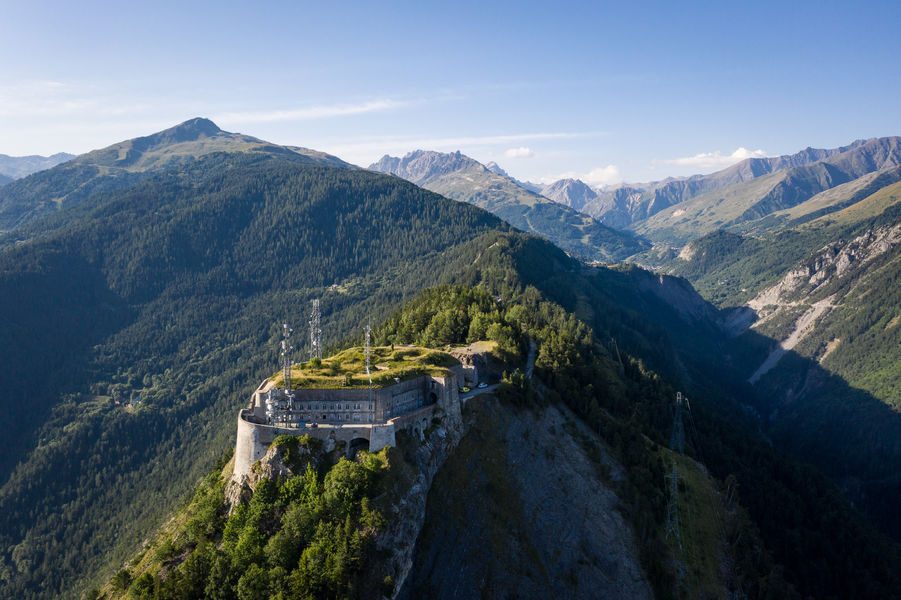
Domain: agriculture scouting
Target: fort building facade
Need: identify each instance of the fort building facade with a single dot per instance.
(362, 417)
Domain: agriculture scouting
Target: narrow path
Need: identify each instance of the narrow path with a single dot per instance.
(530, 368)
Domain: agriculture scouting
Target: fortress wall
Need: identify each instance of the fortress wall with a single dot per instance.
(249, 447)
(253, 439)
(382, 436)
(331, 395)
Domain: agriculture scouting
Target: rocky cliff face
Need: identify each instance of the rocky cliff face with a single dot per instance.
(407, 515)
(521, 510)
(835, 261)
(420, 166)
(809, 308)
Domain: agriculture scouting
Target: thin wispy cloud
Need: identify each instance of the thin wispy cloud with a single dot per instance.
(520, 152)
(307, 113)
(52, 99)
(598, 176)
(715, 160)
(393, 144)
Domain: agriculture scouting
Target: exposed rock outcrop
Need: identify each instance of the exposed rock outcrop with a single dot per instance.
(521, 510)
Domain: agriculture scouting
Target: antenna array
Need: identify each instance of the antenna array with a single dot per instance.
(367, 350)
(316, 331)
(287, 348)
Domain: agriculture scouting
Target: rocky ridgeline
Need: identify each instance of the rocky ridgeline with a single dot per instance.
(834, 261)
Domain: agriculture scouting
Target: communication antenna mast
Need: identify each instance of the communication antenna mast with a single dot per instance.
(367, 351)
(280, 403)
(316, 331)
(287, 348)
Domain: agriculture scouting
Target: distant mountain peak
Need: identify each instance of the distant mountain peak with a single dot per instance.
(192, 139)
(574, 193)
(197, 127)
(419, 166)
(16, 167)
(496, 169)
(189, 131)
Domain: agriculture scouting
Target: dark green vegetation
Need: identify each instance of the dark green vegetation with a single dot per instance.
(122, 165)
(457, 176)
(308, 535)
(144, 317)
(729, 269)
(791, 506)
(826, 400)
(140, 314)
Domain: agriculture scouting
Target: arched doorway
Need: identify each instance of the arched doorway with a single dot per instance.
(356, 445)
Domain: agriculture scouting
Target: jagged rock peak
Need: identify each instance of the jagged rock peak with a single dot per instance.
(496, 169)
(419, 166)
(574, 193)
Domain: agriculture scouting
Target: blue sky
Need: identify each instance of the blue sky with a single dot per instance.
(605, 91)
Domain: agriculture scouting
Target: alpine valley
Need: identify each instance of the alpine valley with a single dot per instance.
(681, 389)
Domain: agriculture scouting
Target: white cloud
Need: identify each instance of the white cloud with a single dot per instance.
(400, 145)
(602, 176)
(521, 152)
(716, 160)
(311, 112)
(598, 176)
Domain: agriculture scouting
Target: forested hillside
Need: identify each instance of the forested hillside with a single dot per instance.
(773, 550)
(139, 317)
(824, 295)
(134, 330)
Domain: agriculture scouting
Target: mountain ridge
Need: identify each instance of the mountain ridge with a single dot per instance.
(462, 178)
(16, 167)
(121, 164)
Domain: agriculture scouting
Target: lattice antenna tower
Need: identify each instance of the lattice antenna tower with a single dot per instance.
(287, 349)
(367, 350)
(316, 331)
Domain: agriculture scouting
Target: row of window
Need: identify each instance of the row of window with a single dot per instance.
(356, 417)
(339, 406)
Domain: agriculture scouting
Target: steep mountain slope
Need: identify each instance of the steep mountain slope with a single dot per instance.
(136, 327)
(461, 178)
(122, 165)
(520, 509)
(571, 192)
(487, 485)
(824, 294)
(4, 179)
(16, 167)
(137, 324)
(840, 306)
(631, 203)
(767, 200)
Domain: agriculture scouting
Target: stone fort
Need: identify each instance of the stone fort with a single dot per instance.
(367, 418)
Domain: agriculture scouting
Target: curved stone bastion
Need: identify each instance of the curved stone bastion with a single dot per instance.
(356, 417)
